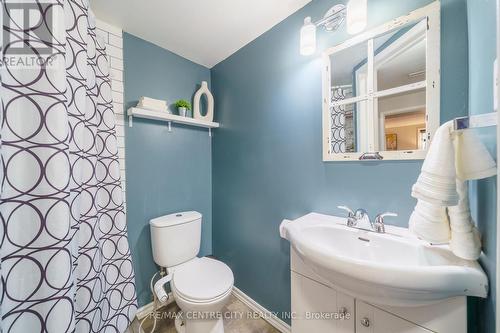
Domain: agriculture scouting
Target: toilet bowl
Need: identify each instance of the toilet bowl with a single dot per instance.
(201, 286)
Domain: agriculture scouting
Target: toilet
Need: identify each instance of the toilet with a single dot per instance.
(201, 286)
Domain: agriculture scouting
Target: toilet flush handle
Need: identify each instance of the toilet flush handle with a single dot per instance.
(159, 290)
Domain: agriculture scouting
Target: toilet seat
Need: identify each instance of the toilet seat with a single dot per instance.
(202, 280)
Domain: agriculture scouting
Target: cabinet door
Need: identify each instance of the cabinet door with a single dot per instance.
(370, 319)
(317, 308)
(345, 307)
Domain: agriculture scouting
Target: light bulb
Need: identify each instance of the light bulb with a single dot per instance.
(357, 15)
(308, 37)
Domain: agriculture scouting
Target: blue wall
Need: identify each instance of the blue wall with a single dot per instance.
(482, 53)
(165, 172)
(267, 155)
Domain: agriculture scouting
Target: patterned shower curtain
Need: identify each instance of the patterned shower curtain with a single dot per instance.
(65, 258)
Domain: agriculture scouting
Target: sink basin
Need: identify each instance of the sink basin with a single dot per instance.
(395, 268)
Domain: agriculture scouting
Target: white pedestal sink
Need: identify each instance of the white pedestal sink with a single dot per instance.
(394, 269)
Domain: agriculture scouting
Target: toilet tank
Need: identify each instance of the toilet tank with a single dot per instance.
(175, 238)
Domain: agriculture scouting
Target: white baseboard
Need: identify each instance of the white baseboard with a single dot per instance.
(145, 310)
(276, 322)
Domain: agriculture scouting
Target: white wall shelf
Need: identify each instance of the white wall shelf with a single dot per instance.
(170, 118)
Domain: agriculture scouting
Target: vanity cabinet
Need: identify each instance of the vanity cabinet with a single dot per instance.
(318, 306)
(370, 319)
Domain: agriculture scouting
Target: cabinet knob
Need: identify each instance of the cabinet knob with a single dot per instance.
(343, 312)
(365, 322)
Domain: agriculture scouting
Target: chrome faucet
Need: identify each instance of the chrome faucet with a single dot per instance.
(362, 215)
(378, 225)
(353, 218)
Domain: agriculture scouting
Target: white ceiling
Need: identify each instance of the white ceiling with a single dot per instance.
(202, 31)
(395, 72)
(406, 119)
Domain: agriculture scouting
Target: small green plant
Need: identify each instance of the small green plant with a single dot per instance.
(183, 104)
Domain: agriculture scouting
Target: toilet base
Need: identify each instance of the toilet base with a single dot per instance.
(199, 325)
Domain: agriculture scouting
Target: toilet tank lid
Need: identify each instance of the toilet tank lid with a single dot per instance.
(174, 219)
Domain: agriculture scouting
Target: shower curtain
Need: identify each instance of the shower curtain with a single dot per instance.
(64, 253)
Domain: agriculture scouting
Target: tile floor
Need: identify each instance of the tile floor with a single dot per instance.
(240, 323)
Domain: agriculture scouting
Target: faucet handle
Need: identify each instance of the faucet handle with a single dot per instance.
(349, 211)
(378, 224)
(387, 214)
(351, 218)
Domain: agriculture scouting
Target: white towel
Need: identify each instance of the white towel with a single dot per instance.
(430, 222)
(465, 238)
(453, 158)
(436, 183)
(473, 161)
(152, 104)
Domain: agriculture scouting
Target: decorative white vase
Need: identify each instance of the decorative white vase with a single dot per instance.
(209, 116)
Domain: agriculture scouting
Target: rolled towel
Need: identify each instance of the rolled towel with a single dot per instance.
(437, 181)
(466, 245)
(473, 161)
(430, 223)
(465, 238)
(454, 157)
(431, 212)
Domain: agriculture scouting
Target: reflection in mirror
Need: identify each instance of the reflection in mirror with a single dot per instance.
(400, 57)
(344, 137)
(348, 70)
(405, 131)
(402, 121)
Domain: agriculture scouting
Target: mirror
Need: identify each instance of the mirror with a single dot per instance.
(343, 131)
(381, 90)
(348, 72)
(399, 57)
(348, 77)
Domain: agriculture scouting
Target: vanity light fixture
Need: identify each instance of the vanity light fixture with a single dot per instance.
(307, 37)
(355, 13)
